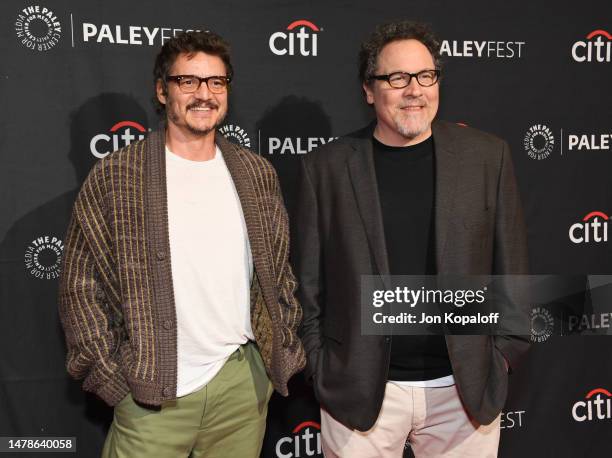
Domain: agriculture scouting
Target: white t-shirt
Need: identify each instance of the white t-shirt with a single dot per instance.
(212, 267)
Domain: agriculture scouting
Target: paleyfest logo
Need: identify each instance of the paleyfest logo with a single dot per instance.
(596, 48)
(135, 35)
(512, 419)
(284, 43)
(298, 145)
(38, 28)
(121, 134)
(482, 49)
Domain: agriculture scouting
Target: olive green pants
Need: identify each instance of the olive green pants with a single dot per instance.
(226, 418)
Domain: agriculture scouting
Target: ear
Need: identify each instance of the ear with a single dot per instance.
(161, 93)
(368, 93)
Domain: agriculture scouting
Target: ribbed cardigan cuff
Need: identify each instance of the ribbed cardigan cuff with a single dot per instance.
(111, 391)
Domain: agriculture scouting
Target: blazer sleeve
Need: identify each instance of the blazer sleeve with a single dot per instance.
(307, 262)
(92, 338)
(510, 249)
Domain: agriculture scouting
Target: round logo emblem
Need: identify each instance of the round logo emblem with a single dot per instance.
(539, 142)
(38, 28)
(236, 134)
(542, 324)
(43, 257)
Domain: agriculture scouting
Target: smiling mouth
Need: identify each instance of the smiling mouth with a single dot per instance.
(201, 109)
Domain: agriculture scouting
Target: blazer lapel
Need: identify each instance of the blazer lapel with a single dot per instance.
(363, 178)
(447, 170)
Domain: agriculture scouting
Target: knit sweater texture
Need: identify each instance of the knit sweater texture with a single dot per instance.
(116, 297)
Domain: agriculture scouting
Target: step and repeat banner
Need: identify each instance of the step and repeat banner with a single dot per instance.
(76, 83)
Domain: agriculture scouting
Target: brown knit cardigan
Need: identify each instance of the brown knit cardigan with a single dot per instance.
(116, 297)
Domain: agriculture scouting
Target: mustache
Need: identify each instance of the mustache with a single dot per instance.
(203, 104)
(413, 102)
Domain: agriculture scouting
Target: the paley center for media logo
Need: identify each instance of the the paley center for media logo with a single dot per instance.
(38, 28)
(119, 135)
(235, 133)
(542, 324)
(43, 257)
(596, 47)
(596, 406)
(300, 38)
(540, 141)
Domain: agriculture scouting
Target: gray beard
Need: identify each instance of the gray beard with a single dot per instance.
(409, 132)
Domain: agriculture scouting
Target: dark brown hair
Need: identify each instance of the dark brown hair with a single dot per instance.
(189, 43)
(394, 31)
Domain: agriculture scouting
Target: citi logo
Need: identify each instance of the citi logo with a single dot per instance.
(121, 134)
(305, 441)
(594, 407)
(598, 48)
(303, 32)
(593, 228)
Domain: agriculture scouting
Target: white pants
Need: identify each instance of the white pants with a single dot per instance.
(432, 420)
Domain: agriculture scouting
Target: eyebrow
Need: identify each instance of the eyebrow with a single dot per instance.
(404, 71)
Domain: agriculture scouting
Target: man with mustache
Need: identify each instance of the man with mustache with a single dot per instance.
(176, 297)
(406, 195)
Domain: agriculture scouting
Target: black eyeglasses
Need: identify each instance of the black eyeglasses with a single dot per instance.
(191, 83)
(400, 80)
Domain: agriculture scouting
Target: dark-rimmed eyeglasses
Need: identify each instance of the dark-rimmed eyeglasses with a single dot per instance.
(400, 80)
(191, 83)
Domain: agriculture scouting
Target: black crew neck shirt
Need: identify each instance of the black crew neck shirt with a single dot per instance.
(406, 188)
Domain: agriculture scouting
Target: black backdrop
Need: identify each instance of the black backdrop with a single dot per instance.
(76, 83)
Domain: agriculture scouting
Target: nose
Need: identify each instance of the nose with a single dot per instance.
(414, 89)
(203, 92)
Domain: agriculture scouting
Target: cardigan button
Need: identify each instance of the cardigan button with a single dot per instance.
(161, 255)
(167, 391)
(168, 325)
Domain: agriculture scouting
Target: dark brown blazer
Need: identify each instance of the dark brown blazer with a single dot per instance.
(338, 236)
